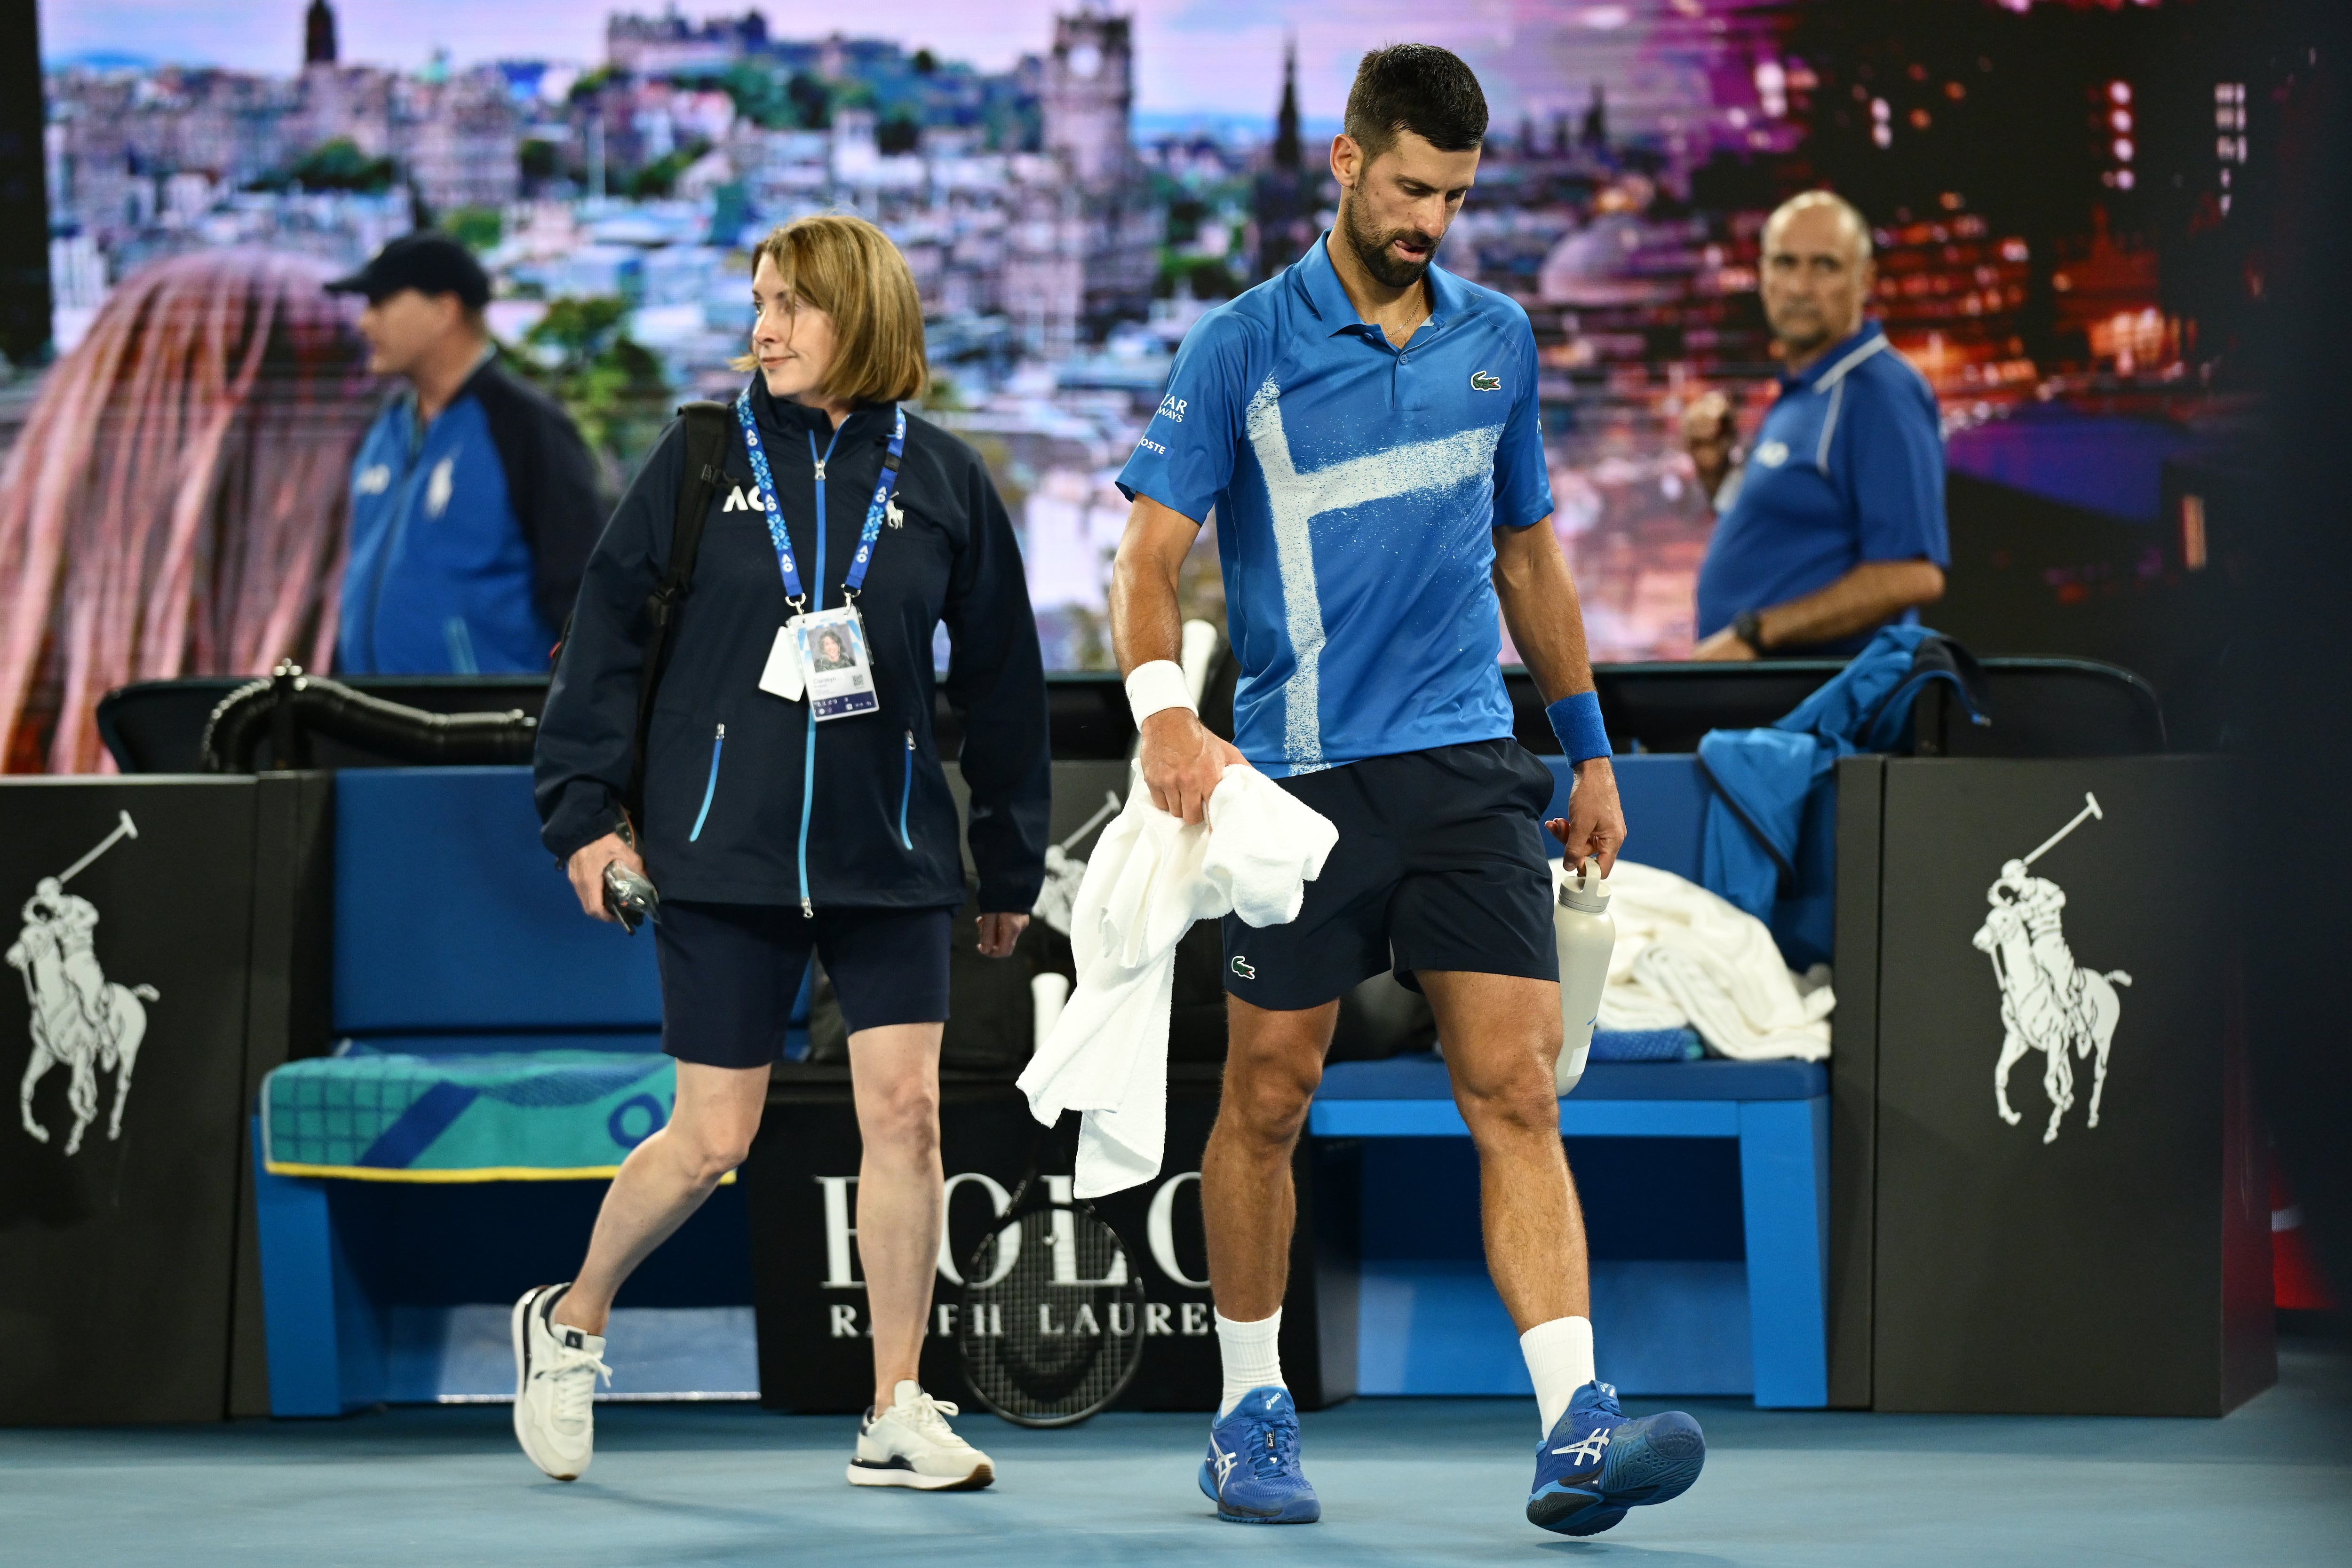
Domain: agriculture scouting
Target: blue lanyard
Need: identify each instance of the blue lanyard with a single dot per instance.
(777, 534)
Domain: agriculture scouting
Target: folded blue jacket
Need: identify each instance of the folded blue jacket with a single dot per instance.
(1770, 832)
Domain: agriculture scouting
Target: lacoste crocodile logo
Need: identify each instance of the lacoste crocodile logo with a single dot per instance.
(1485, 381)
(1242, 967)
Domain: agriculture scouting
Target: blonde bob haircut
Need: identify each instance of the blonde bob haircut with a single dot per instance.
(848, 268)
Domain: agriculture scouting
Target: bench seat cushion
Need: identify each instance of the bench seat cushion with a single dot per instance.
(1423, 1077)
(378, 1114)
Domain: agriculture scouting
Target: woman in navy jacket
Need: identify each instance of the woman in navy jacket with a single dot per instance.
(771, 834)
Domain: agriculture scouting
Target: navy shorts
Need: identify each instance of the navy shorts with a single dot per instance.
(730, 973)
(1440, 865)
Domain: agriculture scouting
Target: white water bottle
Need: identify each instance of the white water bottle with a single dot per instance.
(1585, 935)
(1048, 994)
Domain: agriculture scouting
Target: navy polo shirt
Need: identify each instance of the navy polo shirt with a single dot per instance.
(1847, 467)
(1357, 488)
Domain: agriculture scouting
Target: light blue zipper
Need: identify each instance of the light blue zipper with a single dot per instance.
(718, 745)
(816, 601)
(906, 790)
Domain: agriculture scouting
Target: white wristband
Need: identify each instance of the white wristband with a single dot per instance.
(1157, 686)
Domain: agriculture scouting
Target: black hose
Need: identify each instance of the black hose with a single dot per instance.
(237, 727)
(317, 705)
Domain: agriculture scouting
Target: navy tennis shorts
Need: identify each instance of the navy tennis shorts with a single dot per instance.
(1440, 865)
(730, 973)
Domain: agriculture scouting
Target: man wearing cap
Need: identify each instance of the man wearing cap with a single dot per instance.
(474, 501)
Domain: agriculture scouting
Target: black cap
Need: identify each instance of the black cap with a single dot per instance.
(428, 261)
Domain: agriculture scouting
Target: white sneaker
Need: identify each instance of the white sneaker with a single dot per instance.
(556, 1385)
(911, 1445)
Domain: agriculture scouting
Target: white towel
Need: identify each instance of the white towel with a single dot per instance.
(1150, 877)
(1685, 957)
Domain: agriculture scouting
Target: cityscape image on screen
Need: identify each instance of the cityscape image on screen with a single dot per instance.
(2054, 235)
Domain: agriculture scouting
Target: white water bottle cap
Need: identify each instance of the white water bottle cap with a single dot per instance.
(1585, 890)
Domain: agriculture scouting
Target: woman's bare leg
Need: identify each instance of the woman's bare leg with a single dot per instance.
(895, 1070)
(664, 1181)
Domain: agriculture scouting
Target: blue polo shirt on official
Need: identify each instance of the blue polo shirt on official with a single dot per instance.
(1357, 488)
(1847, 467)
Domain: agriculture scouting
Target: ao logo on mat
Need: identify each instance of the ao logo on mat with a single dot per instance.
(2046, 1003)
(81, 1021)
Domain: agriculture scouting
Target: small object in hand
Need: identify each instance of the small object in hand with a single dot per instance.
(629, 898)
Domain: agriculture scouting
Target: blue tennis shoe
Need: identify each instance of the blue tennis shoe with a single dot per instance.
(1597, 1464)
(1252, 1472)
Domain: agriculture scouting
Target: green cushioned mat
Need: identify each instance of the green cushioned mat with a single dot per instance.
(506, 1116)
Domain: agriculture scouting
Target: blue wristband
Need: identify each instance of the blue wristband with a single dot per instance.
(1577, 721)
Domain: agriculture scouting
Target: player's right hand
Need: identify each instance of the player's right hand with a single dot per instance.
(586, 869)
(1183, 762)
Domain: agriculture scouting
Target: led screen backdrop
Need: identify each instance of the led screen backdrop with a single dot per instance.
(1074, 182)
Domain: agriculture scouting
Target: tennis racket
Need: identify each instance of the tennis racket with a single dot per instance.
(1051, 1326)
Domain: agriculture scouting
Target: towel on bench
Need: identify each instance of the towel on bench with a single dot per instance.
(1685, 957)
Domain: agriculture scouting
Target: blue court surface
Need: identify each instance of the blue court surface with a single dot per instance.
(1402, 1481)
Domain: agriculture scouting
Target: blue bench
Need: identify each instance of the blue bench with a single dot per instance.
(1727, 1291)
(455, 935)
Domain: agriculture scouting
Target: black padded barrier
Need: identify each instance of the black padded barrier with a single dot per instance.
(2043, 1266)
(2040, 707)
(116, 1238)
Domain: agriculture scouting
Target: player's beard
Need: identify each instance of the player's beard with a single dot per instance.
(1372, 250)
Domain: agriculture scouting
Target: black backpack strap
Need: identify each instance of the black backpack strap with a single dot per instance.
(708, 427)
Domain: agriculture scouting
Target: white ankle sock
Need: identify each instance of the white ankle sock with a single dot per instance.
(1252, 1357)
(1559, 1358)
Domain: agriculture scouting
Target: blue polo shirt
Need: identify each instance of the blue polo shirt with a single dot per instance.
(1847, 467)
(1357, 488)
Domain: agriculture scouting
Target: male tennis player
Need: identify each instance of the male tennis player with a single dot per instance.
(1364, 426)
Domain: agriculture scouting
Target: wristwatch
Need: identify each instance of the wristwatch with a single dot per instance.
(1749, 627)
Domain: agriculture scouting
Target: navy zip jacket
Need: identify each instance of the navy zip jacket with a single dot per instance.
(728, 815)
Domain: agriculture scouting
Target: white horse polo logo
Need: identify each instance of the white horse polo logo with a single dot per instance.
(81, 1021)
(1057, 900)
(2046, 1003)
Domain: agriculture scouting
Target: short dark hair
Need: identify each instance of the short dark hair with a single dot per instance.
(1418, 87)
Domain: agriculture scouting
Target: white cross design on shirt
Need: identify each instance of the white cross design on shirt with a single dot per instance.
(1296, 499)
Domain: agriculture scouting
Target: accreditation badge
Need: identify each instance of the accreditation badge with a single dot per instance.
(783, 676)
(835, 659)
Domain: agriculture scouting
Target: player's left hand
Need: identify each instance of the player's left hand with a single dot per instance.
(1595, 823)
(998, 932)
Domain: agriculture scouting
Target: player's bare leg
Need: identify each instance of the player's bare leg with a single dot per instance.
(1502, 1034)
(1274, 1061)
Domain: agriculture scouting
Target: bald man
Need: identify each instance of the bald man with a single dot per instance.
(1833, 527)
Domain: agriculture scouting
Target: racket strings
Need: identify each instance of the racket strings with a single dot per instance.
(1054, 1316)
